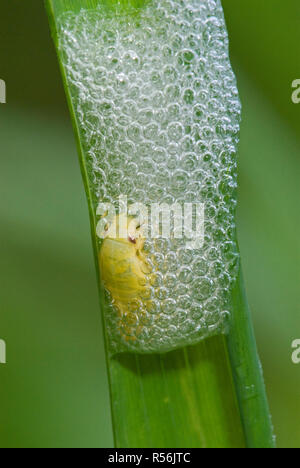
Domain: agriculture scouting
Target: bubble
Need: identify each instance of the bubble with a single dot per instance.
(145, 116)
(197, 311)
(179, 180)
(200, 267)
(172, 92)
(151, 131)
(203, 288)
(175, 131)
(186, 57)
(189, 162)
(170, 280)
(134, 132)
(162, 293)
(188, 96)
(185, 275)
(169, 306)
(170, 73)
(173, 111)
(158, 111)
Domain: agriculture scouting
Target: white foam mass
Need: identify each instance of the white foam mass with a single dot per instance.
(158, 111)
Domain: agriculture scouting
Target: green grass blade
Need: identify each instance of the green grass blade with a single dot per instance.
(181, 399)
(248, 374)
(209, 395)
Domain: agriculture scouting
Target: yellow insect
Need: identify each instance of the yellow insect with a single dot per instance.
(125, 273)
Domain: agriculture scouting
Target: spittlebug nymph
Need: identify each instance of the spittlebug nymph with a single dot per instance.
(125, 273)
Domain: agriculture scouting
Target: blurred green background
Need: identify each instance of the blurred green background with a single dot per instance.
(53, 390)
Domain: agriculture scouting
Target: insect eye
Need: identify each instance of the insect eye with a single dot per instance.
(132, 239)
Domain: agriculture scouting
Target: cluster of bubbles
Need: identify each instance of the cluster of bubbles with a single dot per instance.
(158, 110)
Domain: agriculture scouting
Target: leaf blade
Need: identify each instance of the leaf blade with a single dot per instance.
(167, 389)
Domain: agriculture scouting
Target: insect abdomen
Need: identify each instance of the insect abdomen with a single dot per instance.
(122, 271)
